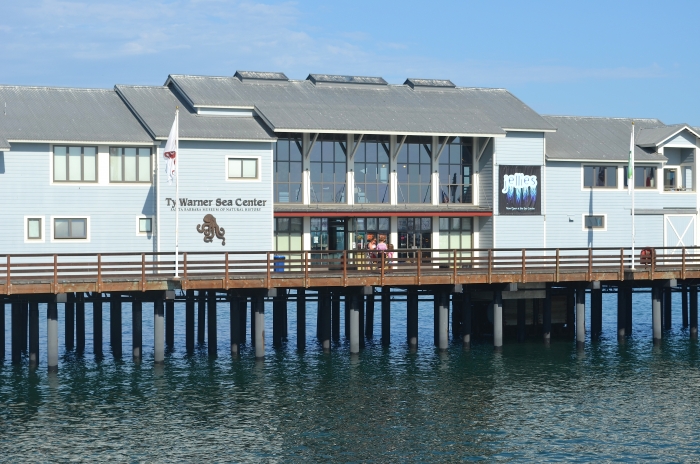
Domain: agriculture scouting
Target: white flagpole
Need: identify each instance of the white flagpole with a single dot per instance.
(177, 191)
(633, 189)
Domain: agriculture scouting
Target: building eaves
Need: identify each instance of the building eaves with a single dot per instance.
(596, 139)
(655, 136)
(4, 144)
(52, 114)
(155, 107)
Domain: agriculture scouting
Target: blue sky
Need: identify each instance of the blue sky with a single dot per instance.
(601, 58)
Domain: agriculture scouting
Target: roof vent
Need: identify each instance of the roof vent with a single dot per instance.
(256, 76)
(437, 84)
(328, 79)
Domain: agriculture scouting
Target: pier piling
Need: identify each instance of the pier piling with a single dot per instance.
(324, 310)
(235, 320)
(443, 317)
(521, 320)
(211, 323)
(80, 322)
(170, 324)
(97, 325)
(16, 322)
(137, 329)
(628, 310)
(466, 319)
(596, 313)
(547, 315)
(412, 319)
(580, 316)
(656, 313)
(33, 334)
(116, 324)
(621, 314)
(158, 331)
(386, 316)
(684, 304)
(335, 316)
(301, 319)
(189, 321)
(278, 318)
(497, 320)
(258, 305)
(369, 316)
(52, 335)
(668, 307)
(693, 312)
(353, 301)
(69, 307)
(201, 315)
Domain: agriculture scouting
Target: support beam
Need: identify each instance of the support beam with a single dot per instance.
(97, 325)
(258, 304)
(52, 336)
(201, 315)
(137, 329)
(301, 319)
(596, 313)
(386, 316)
(466, 319)
(70, 322)
(412, 319)
(498, 320)
(158, 331)
(656, 294)
(547, 316)
(80, 323)
(580, 316)
(33, 334)
(353, 301)
(235, 320)
(189, 320)
(693, 312)
(443, 320)
(211, 323)
(170, 324)
(521, 320)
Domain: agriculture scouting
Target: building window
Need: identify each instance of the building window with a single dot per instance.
(670, 179)
(594, 222)
(364, 230)
(74, 164)
(129, 164)
(644, 177)
(243, 168)
(687, 177)
(455, 234)
(600, 176)
(288, 234)
(328, 166)
(372, 171)
(456, 172)
(413, 170)
(145, 225)
(35, 229)
(288, 169)
(70, 228)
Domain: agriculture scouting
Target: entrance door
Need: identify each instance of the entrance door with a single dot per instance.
(679, 231)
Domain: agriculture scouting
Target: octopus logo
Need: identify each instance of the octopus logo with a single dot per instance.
(210, 228)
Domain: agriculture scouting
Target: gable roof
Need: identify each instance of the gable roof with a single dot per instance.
(55, 114)
(155, 107)
(302, 106)
(596, 139)
(654, 136)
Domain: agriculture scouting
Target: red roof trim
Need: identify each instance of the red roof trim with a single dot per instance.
(385, 214)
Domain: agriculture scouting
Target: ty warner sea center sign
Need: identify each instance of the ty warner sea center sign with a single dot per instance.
(518, 192)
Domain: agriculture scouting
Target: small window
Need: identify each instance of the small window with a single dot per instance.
(688, 177)
(74, 164)
(70, 228)
(670, 179)
(145, 225)
(243, 168)
(34, 229)
(600, 176)
(594, 222)
(129, 164)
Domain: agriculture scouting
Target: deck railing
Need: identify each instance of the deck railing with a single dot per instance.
(268, 266)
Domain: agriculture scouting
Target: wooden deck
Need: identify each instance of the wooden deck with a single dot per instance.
(140, 272)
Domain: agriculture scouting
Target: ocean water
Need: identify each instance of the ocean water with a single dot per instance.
(609, 402)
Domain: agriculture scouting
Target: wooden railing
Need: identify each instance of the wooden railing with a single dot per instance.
(53, 273)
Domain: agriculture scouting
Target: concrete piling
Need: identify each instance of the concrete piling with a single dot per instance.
(80, 322)
(258, 305)
(301, 319)
(211, 323)
(412, 319)
(466, 319)
(97, 325)
(621, 313)
(278, 318)
(52, 336)
(596, 313)
(324, 319)
(498, 320)
(137, 329)
(235, 320)
(33, 334)
(547, 315)
(386, 316)
(189, 321)
(580, 316)
(158, 331)
(116, 324)
(443, 318)
(353, 301)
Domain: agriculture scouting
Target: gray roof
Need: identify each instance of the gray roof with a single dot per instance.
(155, 106)
(4, 144)
(600, 139)
(67, 115)
(301, 106)
(653, 136)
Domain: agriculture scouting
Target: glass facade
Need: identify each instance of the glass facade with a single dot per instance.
(414, 233)
(372, 171)
(456, 172)
(455, 234)
(328, 168)
(413, 171)
(288, 234)
(364, 230)
(288, 168)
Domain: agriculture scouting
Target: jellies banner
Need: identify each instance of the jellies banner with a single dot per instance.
(519, 190)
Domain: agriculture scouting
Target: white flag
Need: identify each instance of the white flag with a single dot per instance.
(170, 152)
(630, 166)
